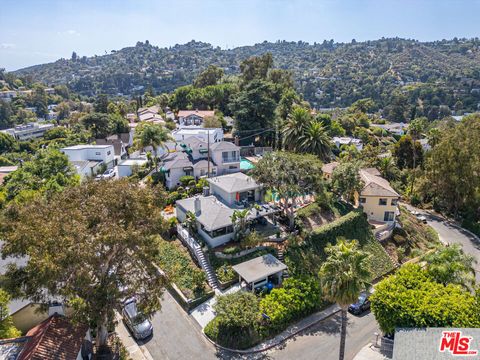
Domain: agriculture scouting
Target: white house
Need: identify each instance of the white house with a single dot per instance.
(215, 134)
(192, 160)
(394, 128)
(29, 131)
(214, 209)
(193, 117)
(345, 140)
(88, 159)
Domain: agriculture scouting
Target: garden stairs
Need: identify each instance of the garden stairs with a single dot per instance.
(205, 264)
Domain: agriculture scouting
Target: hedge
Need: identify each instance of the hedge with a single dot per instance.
(306, 257)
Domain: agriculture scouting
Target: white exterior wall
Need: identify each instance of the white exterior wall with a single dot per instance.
(216, 134)
(101, 153)
(202, 171)
(172, 178)
(224, 168)
(214, 242)
(375, 211)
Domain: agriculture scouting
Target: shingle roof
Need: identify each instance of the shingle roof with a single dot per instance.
(234, 182)
(224, 145)
(54, 338)
(376, 185)
(176, 160)
(194, 142)
(203, 164)
(213, 215)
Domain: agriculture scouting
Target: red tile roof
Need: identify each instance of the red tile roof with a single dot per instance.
(54, 338)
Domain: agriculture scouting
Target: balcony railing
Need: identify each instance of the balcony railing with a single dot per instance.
(230, 160)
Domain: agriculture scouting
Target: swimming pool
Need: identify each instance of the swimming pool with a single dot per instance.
(246, 164)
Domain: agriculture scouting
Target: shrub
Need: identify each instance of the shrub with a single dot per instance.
(157, 178)
(185, 180)
(236, 320)
(297, 298)
(231, 250)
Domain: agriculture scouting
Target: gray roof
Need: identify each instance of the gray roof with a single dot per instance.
(176, 160)
(213, 214)
(194, 142)
(259, 268)
(203, 164)
(235, 182)
(224, 145)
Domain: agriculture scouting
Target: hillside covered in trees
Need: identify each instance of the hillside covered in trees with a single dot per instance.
(401, 76)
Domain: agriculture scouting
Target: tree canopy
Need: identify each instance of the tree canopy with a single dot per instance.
(92, 245)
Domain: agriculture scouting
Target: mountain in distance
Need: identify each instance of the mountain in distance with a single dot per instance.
(328, 74)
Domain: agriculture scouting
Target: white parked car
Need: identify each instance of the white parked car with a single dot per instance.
(109, 174)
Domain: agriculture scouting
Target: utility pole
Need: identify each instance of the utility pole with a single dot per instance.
(208, 153)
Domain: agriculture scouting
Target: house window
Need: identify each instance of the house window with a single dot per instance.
(97, 153)
(389, 216)
(108, 152)
(382, 202)
(394, 202)
(362, 200)
(232, 167)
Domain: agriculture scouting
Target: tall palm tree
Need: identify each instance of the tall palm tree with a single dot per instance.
(315, 140)
(154, 135)
(343, 276)
(294, 127)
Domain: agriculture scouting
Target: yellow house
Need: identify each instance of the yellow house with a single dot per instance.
(377, 198)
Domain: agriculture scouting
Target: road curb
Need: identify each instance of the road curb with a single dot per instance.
(332, 310)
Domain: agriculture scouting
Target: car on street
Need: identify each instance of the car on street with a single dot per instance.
(422, 218)
(362, 304)
(136, 322)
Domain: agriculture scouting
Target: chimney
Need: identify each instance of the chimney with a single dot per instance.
(198, 206)
(206, 191)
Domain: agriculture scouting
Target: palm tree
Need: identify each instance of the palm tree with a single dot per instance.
(239, 220)
(154, 135)
(450, 265)
(387, 168)
(294, 127)
(343, 276)
(315, 140)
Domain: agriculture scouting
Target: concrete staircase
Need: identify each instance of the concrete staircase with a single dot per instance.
(205, 264)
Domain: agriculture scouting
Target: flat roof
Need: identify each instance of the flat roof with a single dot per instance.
(130, 162)
(259, 268)
(86, 146)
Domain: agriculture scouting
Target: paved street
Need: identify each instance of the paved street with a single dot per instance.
(450, 234)
(176, 335)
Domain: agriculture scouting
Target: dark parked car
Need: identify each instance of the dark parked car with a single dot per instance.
(137, 323)
(362, 304)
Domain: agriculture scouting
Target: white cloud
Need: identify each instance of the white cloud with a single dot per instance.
(7, 46)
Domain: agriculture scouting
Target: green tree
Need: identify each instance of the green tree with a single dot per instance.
(408, 153)
(98, 124)
(315, 140)
(210, 76)
(7, 143)
(450, 265)
(47, 172)
(346, 179)
(294, 127)
(253, 109)
(101, 104)
(256, 67)
(239, 219)
(7, 329)
(411, 298)
(387, 168)
(151, 135)
(290, 175)
(107, 233)
(343, 276)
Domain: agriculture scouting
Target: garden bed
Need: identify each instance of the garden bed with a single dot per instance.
(179, 267)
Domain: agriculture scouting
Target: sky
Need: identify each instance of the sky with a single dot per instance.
(40, 31)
